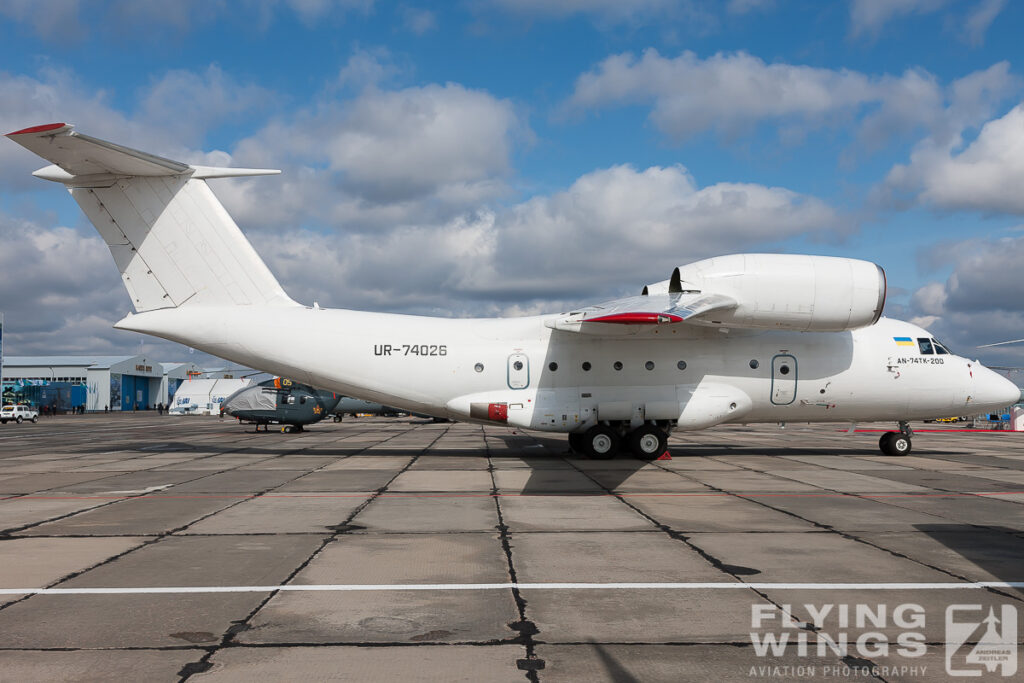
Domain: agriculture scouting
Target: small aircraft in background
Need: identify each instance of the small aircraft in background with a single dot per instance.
(356, 406)
(741, 338)
(280, 401)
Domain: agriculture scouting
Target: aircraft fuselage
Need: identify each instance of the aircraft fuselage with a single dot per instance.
(452, 367)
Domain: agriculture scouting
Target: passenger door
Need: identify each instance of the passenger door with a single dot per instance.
(518, 371)
(784, 372)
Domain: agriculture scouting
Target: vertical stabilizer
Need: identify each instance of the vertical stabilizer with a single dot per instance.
(170, 237)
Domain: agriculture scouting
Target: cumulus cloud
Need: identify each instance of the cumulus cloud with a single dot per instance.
(733, 92)
(546, 253)
(367, 67)
(385, 157)
(614, 11)
(982, 300)
(185, 104)
(172, 119)
(746, 6)
(727, 92)
(986, 175)
(867, 17)
(61, 20)
(979, 19)
(50, 307)
(393, 200)
(418, 20)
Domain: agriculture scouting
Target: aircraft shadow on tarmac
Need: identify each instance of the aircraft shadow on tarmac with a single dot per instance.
(546, 458)
(998, 551)
(616, 671)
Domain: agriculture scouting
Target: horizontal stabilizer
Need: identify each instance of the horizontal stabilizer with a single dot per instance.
(83, 160)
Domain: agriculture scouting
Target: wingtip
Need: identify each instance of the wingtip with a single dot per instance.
(46, 127)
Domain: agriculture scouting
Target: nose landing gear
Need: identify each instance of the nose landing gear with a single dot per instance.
(897, 443)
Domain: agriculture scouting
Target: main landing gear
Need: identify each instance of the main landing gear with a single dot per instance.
(897, 443)
(602, 442)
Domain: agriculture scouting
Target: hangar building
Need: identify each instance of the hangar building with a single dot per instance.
(98, 382)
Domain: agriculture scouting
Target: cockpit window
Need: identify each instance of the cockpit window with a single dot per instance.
(939, 348)
(925, 345)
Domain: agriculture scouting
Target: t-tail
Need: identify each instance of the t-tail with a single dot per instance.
(171, 238)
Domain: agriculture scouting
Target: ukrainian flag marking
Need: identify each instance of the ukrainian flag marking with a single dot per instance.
(903, 341)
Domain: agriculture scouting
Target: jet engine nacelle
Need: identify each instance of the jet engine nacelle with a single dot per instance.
(785, 291)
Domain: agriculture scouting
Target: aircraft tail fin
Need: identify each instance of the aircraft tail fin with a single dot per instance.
(170, 237)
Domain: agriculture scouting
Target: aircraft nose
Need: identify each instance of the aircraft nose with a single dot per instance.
(992, 390)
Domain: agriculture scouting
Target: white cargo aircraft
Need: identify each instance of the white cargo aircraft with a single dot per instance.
(735, 339)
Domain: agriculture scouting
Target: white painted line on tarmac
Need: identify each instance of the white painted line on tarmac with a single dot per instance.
(717, 585)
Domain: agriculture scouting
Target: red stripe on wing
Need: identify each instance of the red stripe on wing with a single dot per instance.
(39, 129)
(636, 318)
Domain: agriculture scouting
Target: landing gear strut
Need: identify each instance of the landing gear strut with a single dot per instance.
(897, 443)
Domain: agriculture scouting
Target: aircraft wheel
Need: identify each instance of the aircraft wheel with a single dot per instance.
(577, 443)
(601, 442)
(648, 442)
(895, 443)
(899, 444)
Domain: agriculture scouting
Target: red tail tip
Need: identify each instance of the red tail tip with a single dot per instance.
(39, 129)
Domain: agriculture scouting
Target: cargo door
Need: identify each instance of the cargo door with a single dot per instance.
(783, 379)
(518, 371)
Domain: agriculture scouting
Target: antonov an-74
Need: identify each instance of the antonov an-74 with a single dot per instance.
(741, 338)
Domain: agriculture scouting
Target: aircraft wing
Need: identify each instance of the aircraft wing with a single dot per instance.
(647, 310)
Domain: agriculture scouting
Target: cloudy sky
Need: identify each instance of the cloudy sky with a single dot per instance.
(503, 157)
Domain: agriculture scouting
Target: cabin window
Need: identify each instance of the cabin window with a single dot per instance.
(586, 366)
(552, 366)
(617, 365)
(925, 345)
(518, 365)
(754, 364)
(681, 365)
(649, 365)
(939, 348)
(479, 367)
